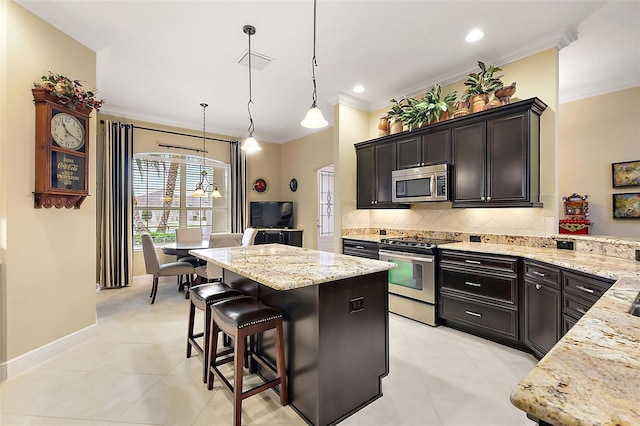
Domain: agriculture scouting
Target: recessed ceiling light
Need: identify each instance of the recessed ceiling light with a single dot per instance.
(359, 88)
(474, 36)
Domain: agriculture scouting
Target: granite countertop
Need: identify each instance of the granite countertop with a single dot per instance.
(592, 376)
(596, 264)
(284, 267)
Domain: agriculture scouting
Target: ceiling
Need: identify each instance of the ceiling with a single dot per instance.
(157, 61)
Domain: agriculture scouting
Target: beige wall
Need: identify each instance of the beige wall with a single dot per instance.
(48, 263)
(594, 133)
(301, 159)
(536, 76)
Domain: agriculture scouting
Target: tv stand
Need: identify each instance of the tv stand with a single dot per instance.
(290, 237)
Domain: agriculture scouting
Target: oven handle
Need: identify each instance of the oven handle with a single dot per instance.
(399, 256)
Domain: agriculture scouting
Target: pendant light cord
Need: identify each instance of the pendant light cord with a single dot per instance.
(251, 126)
(314, 63)
(204, 134)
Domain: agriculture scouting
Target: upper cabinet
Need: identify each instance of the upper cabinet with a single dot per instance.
(496, 157)
(430, 147)
(375, 161)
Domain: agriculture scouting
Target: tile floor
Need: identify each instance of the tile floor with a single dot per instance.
(135, 373)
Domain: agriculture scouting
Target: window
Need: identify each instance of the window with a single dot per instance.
(162, 201)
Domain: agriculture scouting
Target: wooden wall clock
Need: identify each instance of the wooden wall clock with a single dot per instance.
(62, 153)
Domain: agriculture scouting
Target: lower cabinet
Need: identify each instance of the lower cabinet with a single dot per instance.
(542, 307)
(479, 294)
(281, 236)
(579, 293)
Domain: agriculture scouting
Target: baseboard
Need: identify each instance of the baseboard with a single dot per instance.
(24, 362)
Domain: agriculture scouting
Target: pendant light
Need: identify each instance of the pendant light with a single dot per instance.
(204, 185)
(250, 144)
(314, 118)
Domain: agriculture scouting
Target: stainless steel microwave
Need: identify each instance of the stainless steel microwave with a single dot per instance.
(421, 184)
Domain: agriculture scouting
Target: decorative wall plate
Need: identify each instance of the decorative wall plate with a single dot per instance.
(260, 185)
(293, 185)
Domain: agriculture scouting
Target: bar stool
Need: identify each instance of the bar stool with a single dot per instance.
(241, 318)
(202, 297)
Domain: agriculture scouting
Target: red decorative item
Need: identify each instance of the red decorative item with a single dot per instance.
(576, 210)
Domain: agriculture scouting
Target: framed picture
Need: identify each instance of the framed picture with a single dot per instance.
(626, 206)
(626, 174)
(260, 185)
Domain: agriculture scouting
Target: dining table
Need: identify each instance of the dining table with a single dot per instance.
(182, 249)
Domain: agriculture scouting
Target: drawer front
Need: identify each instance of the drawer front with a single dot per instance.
(485, 285)
(575, 306)
(582, 286)
(470, 260)
(545, 274)
(360, 248)
(491, 318)
(567, 323)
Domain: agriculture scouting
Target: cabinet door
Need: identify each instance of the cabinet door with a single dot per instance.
(542, 318)
(385, 162)
(507, 159)
(365, 179)
(436, 147)
(409, 152)
(469, 162)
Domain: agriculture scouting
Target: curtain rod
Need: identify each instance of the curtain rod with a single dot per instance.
(164, 145)
(175, 133)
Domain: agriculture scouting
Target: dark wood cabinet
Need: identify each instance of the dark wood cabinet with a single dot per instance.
(495, 158)
(360, 248)
(579, 293)
(479, 294)
(290, 237)
(374, 164)
(430, 147)
(542, 310)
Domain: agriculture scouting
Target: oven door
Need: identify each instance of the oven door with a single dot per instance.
(414, 276)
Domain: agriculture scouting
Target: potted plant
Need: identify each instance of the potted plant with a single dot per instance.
(394, 116)
(438, 108)
(430, 109)
(481, 84)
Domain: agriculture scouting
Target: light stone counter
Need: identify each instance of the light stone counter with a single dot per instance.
(592, 376)
(596, 264)
(284, 267)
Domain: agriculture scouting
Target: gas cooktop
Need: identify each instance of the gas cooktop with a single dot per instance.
(415, 244)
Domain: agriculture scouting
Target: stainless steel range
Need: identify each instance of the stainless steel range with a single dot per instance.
(412, 284)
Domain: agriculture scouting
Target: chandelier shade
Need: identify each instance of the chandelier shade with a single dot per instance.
(250, 144)
(314, 118)
(203, 187)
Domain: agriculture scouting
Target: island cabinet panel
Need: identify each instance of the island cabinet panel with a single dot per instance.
(429, 147)
(496, 158)
(281, 236)
(579, 293)
(374, 163)
(479, 294)
(336, 342)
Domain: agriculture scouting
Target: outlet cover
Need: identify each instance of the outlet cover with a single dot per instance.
(474, 238)
(564, 245)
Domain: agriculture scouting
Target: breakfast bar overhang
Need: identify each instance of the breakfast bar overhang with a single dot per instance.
(336, 322)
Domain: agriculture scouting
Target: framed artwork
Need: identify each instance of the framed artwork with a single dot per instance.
(260, 185)
(626, 206)
(626, 174)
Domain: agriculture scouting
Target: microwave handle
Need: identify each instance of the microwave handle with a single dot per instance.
(432, 184)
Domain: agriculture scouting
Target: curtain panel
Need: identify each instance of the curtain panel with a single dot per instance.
(115, 212)
(238, 160)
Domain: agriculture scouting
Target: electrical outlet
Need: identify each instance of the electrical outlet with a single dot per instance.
(474, 238)
(638, 255)
(356, 305)
(564, 245)
(383, 232)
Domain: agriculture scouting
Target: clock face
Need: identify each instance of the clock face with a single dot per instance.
(67, 131)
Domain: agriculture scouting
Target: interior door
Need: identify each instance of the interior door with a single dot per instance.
(326, 208)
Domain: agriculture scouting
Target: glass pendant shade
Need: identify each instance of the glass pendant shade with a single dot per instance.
(314, 119)
(199, 192)
(216, 192)
(250, 145)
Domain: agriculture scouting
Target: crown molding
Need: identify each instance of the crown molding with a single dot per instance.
(599, 90)
(348, 100)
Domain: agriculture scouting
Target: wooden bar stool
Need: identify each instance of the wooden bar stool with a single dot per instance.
(202, 297)
(241, 318)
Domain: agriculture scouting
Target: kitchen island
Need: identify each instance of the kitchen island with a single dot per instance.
(336, 322)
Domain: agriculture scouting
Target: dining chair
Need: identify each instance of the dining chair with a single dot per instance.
(211, 272)
(188, 235)
(153, 266)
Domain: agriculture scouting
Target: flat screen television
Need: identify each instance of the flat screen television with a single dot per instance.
(271, 214)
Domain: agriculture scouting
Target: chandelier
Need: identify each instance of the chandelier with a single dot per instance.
(204, 186)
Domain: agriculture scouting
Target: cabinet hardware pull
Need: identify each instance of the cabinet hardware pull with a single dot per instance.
(475, 314)
(472, 284)
(582, 311)
(540, 274)
(474, 262)
(588, 290)
(538, 286)
(360, 247)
